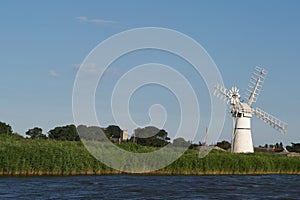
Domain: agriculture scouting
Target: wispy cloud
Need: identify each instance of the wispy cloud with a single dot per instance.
(91, 68)
(84, 19)
(54, 73)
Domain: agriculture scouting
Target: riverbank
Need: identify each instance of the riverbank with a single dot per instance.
(28, 157)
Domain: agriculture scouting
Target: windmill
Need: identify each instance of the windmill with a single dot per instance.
(242, 112)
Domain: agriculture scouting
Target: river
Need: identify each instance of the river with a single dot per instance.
(151, 187)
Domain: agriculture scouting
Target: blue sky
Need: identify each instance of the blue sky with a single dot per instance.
(43, 42)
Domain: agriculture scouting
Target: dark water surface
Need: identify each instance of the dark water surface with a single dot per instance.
(151, 187)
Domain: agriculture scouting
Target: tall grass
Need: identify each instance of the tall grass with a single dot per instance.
(30, 157)
(217, 162)
(19, 156)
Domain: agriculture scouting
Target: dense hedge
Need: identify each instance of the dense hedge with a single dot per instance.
(20, 156)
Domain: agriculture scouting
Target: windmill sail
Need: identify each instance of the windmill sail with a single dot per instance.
(242, 112)
(255, 85)
(221, 92)
(271, 120)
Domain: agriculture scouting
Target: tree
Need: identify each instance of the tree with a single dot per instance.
(150, 136)
(113, 131)
(294, 148)
(181, 142)
(68, 132)
(92, 133)
(224, 145)
(36, 133)
(5, 129)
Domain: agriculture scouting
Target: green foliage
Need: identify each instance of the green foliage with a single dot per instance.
(218, 162)
(23, 156)
(224, 145)
(36, 157)
(68, 133)
(113, 131)
(294, 148)
(5, 129)
(150, 136)
(92, 133)
(136, 148)
(279, 145)
(181, 142)
(63, 155)
(36, 133)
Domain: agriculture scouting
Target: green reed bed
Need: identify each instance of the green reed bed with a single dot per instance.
(20, 156)
(218, 162)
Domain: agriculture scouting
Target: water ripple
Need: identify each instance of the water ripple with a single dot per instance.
(151, 187)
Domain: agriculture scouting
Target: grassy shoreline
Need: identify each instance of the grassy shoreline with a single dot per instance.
(16, 174)
(27, 157)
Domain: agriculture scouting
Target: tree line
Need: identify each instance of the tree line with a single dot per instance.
(147, 136)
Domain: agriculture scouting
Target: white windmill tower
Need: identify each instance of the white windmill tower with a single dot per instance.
(242, 112)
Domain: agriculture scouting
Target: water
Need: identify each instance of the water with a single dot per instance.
(151, 187)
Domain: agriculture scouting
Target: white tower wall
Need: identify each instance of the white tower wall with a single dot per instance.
(242, 141)
(124, 136)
